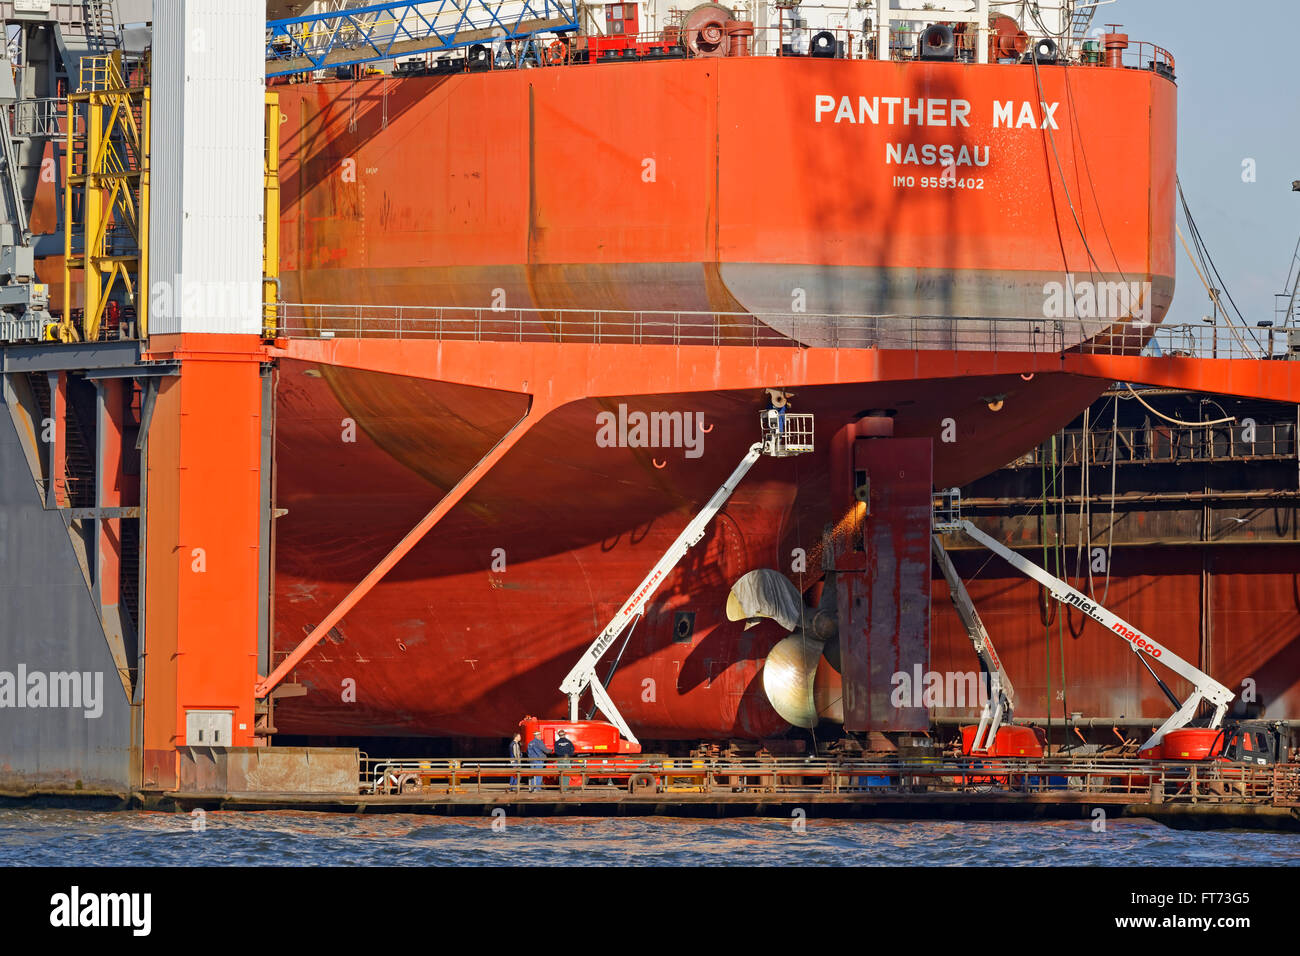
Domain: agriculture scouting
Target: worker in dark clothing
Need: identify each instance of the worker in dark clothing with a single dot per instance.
(563, 750)
(516, 752)
(537, 757)
(778, 401)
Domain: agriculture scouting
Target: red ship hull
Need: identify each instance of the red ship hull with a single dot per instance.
(728, 185)
(692, 185)
(446, 645)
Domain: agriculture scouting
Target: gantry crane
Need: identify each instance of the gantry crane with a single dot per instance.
(351, 36)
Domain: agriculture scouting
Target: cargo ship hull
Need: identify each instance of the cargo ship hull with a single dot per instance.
(706, 186)
(729, 185)
(479, 623)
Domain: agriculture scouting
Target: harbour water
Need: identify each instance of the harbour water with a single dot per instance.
(79, 838)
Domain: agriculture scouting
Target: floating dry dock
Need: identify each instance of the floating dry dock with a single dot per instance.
(1183, 795)
(367, 501)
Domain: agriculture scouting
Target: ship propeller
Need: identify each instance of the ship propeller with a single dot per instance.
(800, 683)
(800, 680)
(765, 593)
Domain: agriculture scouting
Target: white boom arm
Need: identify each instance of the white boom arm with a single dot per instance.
(1204, 687)
(583, 674)
(1001, 702)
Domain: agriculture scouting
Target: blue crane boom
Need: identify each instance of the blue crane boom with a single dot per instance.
(385, 31)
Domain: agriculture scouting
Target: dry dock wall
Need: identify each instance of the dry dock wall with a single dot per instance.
(281, 770)
(48, 626)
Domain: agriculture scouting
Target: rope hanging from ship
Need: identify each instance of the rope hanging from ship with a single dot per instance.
(1085, 520)
(1175, 421)
(1206, 261)
(1051, 140)
(1114, 472)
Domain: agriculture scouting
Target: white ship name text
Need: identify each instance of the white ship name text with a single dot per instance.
(905, 111)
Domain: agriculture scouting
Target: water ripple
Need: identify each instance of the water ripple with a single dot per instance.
(291, 838)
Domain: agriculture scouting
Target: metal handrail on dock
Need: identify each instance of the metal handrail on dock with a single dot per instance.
(1162, 443)
(1105, 779)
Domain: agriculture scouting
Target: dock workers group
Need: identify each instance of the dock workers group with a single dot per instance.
(537, 754)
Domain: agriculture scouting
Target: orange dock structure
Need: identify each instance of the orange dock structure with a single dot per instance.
(204, 535)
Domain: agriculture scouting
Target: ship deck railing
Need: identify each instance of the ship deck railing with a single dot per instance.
(1112, 778)
(444, 51)
(1085, 51)
(1109, 336)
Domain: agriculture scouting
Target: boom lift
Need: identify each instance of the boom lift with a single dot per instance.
(784, 435)
(999, 707)
(1204, 687)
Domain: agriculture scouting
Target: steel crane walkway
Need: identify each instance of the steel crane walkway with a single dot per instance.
(385, 31)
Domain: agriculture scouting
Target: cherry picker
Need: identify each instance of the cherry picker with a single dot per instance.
(783, 435)
(1256, 741)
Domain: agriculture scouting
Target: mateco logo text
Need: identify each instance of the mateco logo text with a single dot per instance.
(39, 689)
(652, 430)
(75, 909)
(1086, 299)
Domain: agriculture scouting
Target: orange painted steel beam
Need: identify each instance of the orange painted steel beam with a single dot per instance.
(537, 410)
(57, 495)
(564, 372)
(203, 478)
(1272, 379)
(109, 480)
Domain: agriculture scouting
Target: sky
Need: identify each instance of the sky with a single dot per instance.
(1238, 98)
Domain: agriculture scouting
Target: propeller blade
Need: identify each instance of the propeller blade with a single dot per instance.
(788, 679)
(800, 684)
(765, 593)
